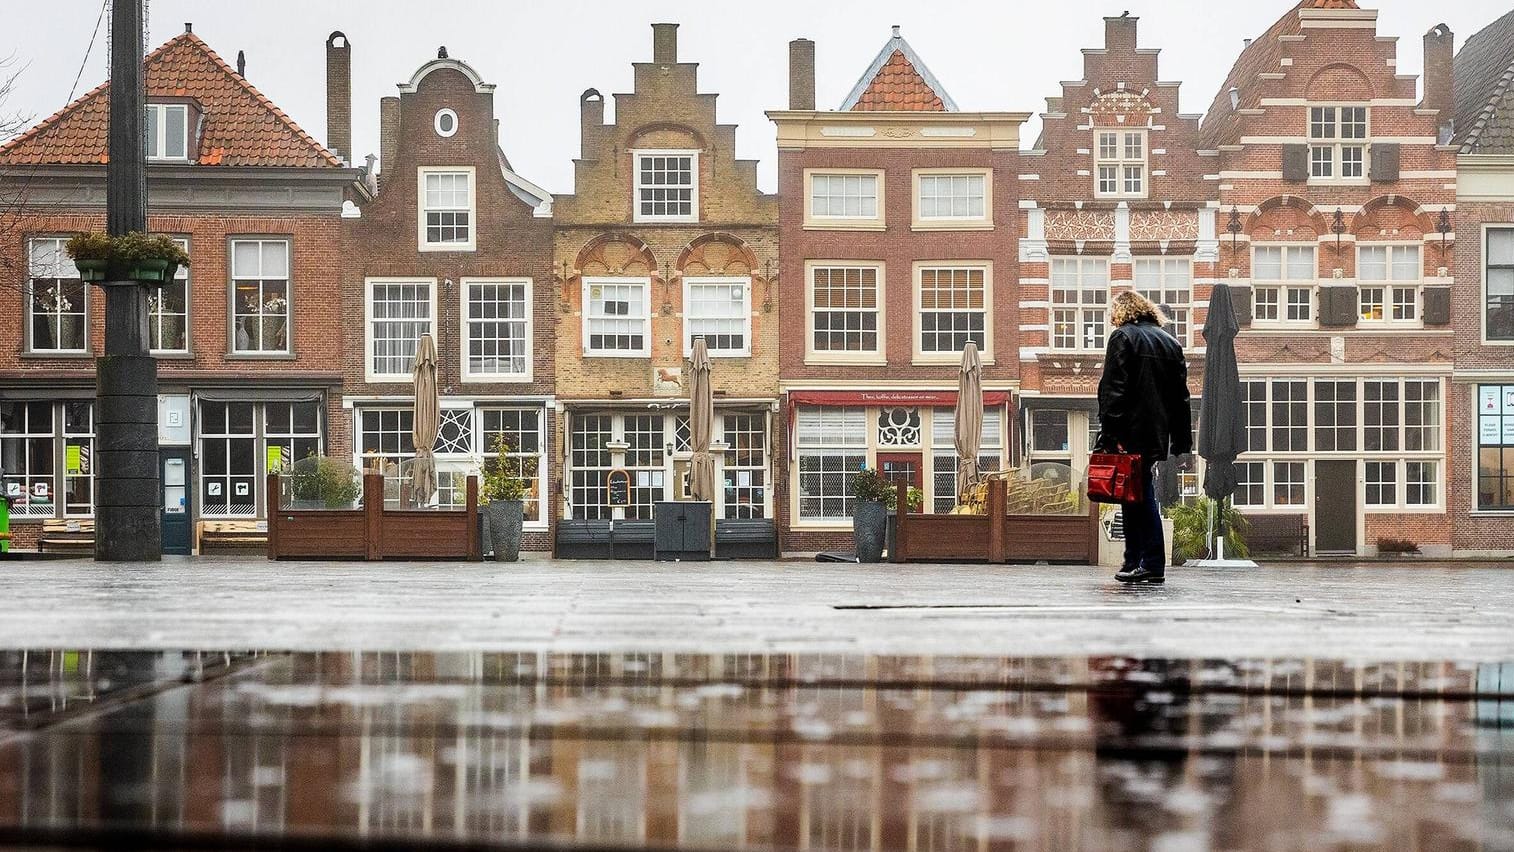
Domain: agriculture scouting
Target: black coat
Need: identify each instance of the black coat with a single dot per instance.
(1143, 396)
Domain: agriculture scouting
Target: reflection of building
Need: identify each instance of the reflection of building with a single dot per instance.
(1481, 485)
(1332, 180)
(458, 246)
(898, 227)
(247, 339)
(665, 238)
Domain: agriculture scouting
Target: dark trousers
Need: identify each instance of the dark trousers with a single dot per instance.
(1145, 546)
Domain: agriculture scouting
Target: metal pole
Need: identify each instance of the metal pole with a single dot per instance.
(128, 523)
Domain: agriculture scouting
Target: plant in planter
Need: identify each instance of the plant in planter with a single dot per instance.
(875, 497)
(506, 482)
(137, 256)
(1396, 547)
(1190, 530)
(92, 254)
(322, 482)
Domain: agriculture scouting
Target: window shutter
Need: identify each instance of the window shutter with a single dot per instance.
(1437, 305)
(1384, 161)
(1240, 303)
(1338, 306)
(1296, 163)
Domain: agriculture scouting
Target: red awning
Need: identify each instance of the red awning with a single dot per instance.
(938, 398)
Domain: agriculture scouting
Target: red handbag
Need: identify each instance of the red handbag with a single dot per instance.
(1116, 478)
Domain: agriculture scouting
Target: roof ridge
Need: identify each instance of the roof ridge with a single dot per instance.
(897, 44)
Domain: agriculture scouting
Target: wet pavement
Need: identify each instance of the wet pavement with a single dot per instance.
(775, 751)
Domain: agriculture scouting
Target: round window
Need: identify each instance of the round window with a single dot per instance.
(446, 122)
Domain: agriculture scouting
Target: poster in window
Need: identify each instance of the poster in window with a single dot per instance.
(213, 489)
(242, 489)
(1490, 431)
(1508, 431)
(1487, 399)
(13, 489)
(618, 488)
(1508, 401)
(39, 489)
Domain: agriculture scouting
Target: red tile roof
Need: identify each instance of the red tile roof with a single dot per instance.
(898, 86)
(241, 126)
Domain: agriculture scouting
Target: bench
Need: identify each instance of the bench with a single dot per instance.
(746, 538)
(234, 537)
(1277, 535)
(74, 535)
(594, 539)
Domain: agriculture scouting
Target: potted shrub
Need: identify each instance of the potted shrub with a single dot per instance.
(875, 496)
(322, 482)
(1190, 530)
(92, 254)
(502, 495)
(136, 256)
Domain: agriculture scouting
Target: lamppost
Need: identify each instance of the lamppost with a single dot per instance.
(128, 521)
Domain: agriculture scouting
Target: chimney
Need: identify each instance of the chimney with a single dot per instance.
(591, 119)
(389, 133)
(1439, 76)
(665, 44)
(802, 74)
(1120, 34)
(339, 96)
(241, 63)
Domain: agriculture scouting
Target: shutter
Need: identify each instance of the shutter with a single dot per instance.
(1296, 163)
(1338, 306)
(1385, 159)
(1437, 305)
(1240, 302)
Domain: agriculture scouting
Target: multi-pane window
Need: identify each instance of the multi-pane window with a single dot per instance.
(1337, 142)
(591, 460)
(944, 452)
(952, 196)
(744, 468)
(832, 447)
(260, 296)
(953, 308)
(1251, 484)
(29, 452)
(846, 309)
(1495, 447)
(399, 313)
(521, 429)
(1120, 163)
(1380, 421)
(1254, 407)
(55, 298)
(1290, 416)
(294, 428)
(1288, 483)
(1283, 280)
(228, 459)
(667, 186)
(720, 311)
(1381, 481)
(446, 209)
(1499, 284)
(1388, 279)
(167, 132)
(1334, 416)
(844, 196)
(1079, 302)
(385, 439)
(616, 316)
(1168, 282)
(168, 311)
(1421, 483)
(497, 328)
(1422, 415)
(645, 461)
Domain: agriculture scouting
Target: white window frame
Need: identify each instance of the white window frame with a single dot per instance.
(1122, 162)
(831, 443)
(987, 349)
(877, 355)
(159, 140)
(1334, 146)
(421, 209)
(645, 283)
(637, 186)
(64, 264)
(1390, 286)
(156, 315)
(1487, 266)
(742, 281)
(231, 252)
(1165, 291)
(876, 222)
(368, 320)
(1083, 311)
(921, 222)
(465, 322)
(436, 122)
(1284, 284)
(543, 439)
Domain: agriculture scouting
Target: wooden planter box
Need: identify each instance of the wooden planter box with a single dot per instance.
(995, 536)
(374, 532)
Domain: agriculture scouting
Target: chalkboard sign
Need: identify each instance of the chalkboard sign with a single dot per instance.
(618, 488)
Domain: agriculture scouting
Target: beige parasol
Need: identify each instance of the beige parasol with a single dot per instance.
(969, 427)
(427, 422)
(701, 424)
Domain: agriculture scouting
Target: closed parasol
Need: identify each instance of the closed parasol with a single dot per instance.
(427, 422)
(969, 425)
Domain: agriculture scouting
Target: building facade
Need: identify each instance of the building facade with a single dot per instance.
(248, 339)
(455, 245)
(898, 223)
(1481, 497)
(666, 238)
(1113, 198)
(1335, 190)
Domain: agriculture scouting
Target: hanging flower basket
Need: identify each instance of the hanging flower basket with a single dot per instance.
(133, 257)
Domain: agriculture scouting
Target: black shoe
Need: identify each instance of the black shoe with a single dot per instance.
(1136, 576)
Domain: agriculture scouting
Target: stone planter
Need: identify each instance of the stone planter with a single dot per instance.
(869, 530)
(504, 519)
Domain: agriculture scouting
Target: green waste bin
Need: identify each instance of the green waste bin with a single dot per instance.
(5, 525)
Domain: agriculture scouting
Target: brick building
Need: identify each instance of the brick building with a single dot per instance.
(1113, 197)
(248, 339)
(456, 245)
(1332, 178)
(1481, 495)
(665, 238)
(898, 223)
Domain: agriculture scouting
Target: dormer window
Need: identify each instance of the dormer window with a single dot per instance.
(1120, 163)
(1337, 143)
(168, 132)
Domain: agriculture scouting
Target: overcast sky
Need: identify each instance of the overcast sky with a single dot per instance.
(989, 54)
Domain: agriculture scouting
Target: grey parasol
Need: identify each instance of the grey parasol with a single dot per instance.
(1222, 423)
(701, 424)
(427, 422)
(969, 426)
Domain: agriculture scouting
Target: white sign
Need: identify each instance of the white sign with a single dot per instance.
(1508, 400)
(1508, 431)
(1490, 432)
(39, 489)
(242, 489)
(213, 489)
(13, 489)
(1487, 399)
